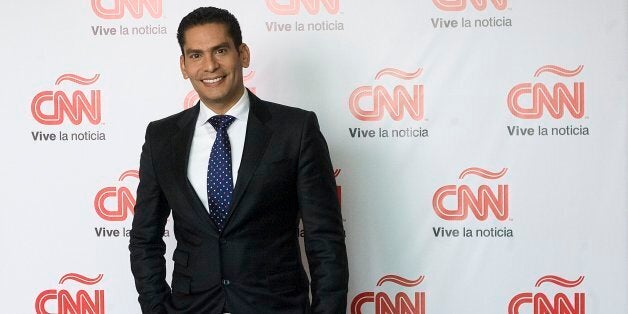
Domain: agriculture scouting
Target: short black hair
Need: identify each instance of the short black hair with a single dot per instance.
(207, 15)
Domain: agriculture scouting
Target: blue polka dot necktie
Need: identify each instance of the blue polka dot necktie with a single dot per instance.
(219, 178)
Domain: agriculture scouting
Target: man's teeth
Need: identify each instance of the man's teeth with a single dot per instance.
(211, 81)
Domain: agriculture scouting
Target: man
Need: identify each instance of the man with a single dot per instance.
(237, 173)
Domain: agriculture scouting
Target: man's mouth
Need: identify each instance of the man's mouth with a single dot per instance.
(212, 81)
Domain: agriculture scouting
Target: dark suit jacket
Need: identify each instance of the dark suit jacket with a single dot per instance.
(254, 265)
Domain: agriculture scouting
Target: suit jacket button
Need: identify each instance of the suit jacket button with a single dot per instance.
(223, 241)
(225, 282)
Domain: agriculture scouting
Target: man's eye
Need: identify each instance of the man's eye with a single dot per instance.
(221, 51)
(194, 56)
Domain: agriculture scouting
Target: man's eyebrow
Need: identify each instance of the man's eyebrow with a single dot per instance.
(189, 50)
(218, 46)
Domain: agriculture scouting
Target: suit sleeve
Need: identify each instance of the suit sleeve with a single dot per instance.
(146, 243)
(322, 222)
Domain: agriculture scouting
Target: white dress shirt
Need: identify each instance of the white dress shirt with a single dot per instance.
(203, 140)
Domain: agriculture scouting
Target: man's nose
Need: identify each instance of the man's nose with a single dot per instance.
(210, 64)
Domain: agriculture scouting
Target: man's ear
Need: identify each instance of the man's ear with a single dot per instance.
(245, 55)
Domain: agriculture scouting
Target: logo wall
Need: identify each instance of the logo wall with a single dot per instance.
(53, 107)
(559, 100)
(63, 301)
(409, 302)
(307, 8)
(555, 99)
(389, 99)
(461, 5)
(454, 202)
(541, 303)
(476, 19)
(76, 106)
(121, 197)
(116, 9)
(135, 9)
(114, 203)
(294, 7)
(394, 102)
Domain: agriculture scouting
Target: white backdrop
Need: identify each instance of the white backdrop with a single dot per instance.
(454, 198)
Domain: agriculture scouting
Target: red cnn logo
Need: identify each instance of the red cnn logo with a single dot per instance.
(541, 304)
(51, 107)
(466, 199)
(192, 97)
(554, 101)
(460, 5)
(382, 100)
(402, 304)
(134, 7)
(66, 303)
(292, 7)
(124, 199)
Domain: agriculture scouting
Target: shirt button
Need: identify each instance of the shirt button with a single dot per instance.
(225, 282)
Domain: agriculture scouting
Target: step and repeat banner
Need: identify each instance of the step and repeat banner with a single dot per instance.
(480, 146)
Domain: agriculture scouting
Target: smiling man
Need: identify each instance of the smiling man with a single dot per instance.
(237, 173)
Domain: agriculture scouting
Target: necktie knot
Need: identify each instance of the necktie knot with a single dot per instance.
(221, 122)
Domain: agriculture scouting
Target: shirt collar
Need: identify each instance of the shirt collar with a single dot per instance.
(240, 110)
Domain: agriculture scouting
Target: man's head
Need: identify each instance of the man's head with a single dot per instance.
(212, 56)
(206, 15)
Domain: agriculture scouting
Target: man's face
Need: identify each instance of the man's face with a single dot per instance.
(214, 65)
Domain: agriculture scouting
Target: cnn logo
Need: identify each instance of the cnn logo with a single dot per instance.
(540, 303)
(464, 198)
(555, 99)
(370, 103)
(293, 7)
(461, 5)
(122, 198)
(66, 302)
(117, 8)
(383, 303)
(52, 107)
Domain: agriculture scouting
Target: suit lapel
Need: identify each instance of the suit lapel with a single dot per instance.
(181, 144)
(255, 143)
